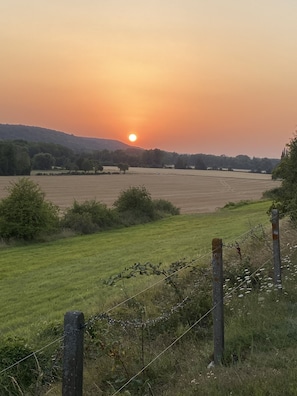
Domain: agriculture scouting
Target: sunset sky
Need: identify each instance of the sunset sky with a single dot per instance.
(191, 76)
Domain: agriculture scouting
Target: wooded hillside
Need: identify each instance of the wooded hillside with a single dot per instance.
(75, 143)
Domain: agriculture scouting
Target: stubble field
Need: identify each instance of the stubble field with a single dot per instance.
(192, 191)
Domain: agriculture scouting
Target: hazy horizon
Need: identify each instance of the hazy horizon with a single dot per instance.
(134, 145)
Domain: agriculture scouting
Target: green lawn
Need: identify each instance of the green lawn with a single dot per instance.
(40, 282)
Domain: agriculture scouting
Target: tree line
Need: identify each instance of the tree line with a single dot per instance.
(19, 157)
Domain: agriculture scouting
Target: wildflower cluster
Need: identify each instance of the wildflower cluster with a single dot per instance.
(288, 266)
(210, 375)
(261, 280)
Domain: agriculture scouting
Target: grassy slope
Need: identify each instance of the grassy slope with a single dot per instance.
(40, 282)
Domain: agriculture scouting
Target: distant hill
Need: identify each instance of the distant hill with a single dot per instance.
(75, 143)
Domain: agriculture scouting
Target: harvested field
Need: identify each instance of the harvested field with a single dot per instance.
(192, 191)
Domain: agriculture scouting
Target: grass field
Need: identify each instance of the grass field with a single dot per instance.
(192, 191)
(40, 282)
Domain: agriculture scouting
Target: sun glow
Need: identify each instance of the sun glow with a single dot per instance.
(132, 137)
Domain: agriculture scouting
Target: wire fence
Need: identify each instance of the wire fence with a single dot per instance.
(227, 295)
(256, 233)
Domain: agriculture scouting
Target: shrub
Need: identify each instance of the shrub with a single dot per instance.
(285, 196)
(236, 205)
(79, 223)
(165, 207)
(133, 217)
(89, 217)
(25, 214)
(135, 206)
(273, 194)
(137, 202)
(21, 376)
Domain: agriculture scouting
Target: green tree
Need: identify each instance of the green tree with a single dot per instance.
(7, 159)
(199, 163)
(123, 167)
(25, 213)
(14, 159)
(87, 165)
(136, 201)
(153, 158)
(97, 166)
(43, 161)
(285, 197)
(23, 162)
(181, 162)
(69, 165)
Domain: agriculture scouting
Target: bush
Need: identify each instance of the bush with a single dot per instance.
(21, 376)
(165, 207)
(285, 196)
(273, 194)
(236, 205)
(89, 217)
(135, 206)
(25, 214)
(81, 224)
(137, 202)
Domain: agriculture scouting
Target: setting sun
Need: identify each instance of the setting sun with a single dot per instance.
(132, 137)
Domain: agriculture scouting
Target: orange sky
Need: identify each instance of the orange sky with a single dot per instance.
(190, 76)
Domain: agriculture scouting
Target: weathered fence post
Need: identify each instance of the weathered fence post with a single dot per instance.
(276, 249)
(73, 354)
(218, 311)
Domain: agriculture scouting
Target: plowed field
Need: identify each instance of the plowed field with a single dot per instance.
(192, 191)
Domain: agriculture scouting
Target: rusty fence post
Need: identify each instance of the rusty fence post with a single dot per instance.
(73, 354)
(218, 300)
(276, 249)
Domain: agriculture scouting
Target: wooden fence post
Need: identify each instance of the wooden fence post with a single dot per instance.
(276, 249)
(73, 354)
(218, 297)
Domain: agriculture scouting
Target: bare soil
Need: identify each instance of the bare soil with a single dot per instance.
(192, 191)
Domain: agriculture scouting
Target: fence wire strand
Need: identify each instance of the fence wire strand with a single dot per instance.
(31, 354)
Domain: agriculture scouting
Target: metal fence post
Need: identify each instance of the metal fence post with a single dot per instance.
(218, 297)
(276, 249)
(73, 354)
